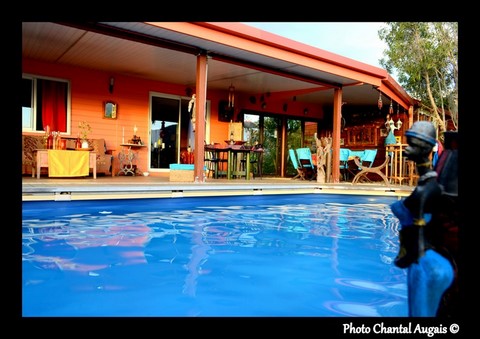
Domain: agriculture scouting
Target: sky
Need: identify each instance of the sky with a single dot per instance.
(355, 40)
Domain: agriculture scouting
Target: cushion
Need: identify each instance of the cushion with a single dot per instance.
(29, 144)
(98, 145)
(186, 167)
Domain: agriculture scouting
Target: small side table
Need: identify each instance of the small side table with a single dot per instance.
(397, 163)
(128, 158)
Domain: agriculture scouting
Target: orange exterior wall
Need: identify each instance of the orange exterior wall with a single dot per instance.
(90, 89)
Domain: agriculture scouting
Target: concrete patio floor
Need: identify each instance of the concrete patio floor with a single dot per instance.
(126, 187)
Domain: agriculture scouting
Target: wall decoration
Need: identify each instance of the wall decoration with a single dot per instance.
(110, 110)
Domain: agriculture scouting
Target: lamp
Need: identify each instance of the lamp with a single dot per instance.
(390, 110)
(399, 122)
(231, 96)
(110, 86)
(380, 103)
(390, 124)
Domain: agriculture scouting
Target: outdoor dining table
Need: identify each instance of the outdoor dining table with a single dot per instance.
(233, 163)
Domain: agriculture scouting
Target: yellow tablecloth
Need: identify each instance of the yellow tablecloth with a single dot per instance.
(68, 163)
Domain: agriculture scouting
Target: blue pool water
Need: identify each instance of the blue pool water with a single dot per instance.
(285, 255)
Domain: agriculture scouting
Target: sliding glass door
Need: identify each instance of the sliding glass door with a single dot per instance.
(272, 131)
(171, 130)
(294, 141)
(265, 130)
(165, 122)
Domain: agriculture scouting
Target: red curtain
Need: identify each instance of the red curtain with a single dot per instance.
(54, 108)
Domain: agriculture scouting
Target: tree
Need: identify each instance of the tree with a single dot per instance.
(425, 57)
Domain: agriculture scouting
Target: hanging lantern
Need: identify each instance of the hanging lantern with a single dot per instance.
(391, 125)
(231, 96)
(399, 122)
(390, 110)
(380, 103)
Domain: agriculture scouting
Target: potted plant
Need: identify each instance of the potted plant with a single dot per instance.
(85, 129)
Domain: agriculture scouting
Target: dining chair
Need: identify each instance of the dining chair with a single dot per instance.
(215, 161)
(256, 160)
(296, 165)
(367, 159)
(304, 156)
(365, 165)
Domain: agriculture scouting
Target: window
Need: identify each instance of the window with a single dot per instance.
(45, 101)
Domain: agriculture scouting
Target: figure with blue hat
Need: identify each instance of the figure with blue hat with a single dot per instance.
(429, 220)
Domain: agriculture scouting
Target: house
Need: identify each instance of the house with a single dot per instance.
(170, 87)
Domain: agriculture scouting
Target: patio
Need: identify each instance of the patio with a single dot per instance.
(128, 187)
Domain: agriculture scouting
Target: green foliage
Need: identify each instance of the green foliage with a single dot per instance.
(294, 140)
(270, 146)
(425, 57)
(85, 129)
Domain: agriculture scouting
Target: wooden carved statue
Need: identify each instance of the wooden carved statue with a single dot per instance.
(324, 146)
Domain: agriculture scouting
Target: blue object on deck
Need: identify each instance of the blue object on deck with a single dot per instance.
(185, 167)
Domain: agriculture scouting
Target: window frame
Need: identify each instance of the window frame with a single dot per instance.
(33, 128)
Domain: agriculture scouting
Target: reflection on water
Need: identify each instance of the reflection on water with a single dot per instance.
(249, 256)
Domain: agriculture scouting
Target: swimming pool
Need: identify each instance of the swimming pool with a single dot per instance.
(302, 255)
